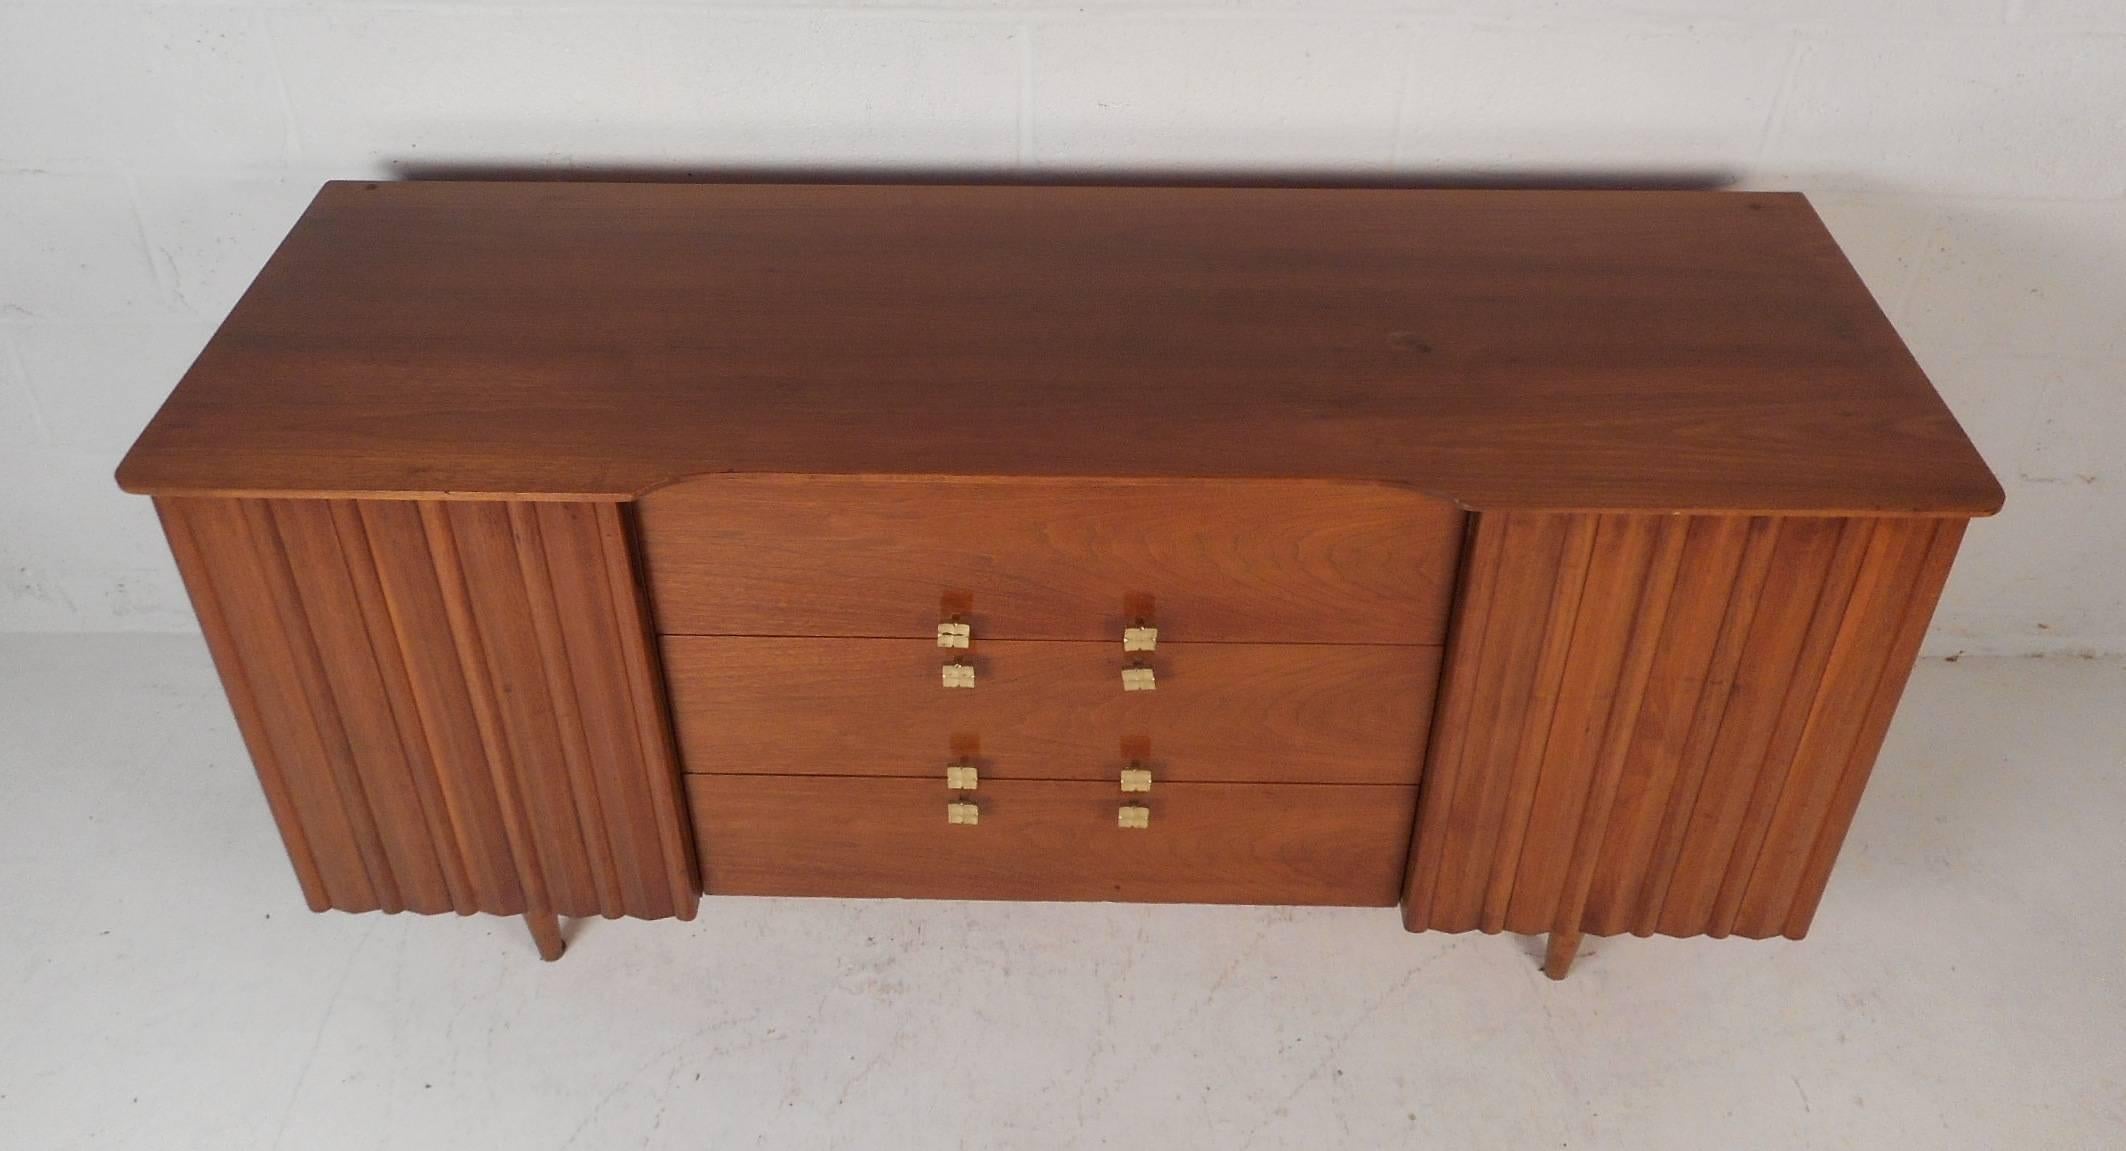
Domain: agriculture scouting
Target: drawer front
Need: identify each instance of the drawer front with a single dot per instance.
(1317, 713)
(1205, 842)
(1273, 561)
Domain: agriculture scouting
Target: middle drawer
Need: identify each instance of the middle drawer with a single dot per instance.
(1222, 712)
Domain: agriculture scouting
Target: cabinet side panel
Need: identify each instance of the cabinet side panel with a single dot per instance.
(1684, 751)
(1781, 666)
(442, 702)
(231, 616)
(1919, 597)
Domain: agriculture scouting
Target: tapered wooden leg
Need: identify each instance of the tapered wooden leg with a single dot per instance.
(1558, 956)
(546, 932)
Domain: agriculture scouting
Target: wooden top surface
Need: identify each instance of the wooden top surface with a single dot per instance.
(1505, 349)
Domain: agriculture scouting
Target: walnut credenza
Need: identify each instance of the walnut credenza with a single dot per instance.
(1547, 562)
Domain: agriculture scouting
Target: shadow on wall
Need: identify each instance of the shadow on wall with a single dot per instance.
(1670, 179)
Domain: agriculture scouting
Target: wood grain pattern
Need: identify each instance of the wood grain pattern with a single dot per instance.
(1696, 351)
(1663, 724)
(436, 700)
(1261, 561)
(1640, 488)
(1298, 713)
(1206, 843)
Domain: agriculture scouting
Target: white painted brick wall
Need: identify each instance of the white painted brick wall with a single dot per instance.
(1970, 154)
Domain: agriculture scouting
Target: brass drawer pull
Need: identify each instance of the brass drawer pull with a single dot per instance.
(1140, 638)
(1136, 778)
(1133, 815)
(1138, 677)
(959, 675)
(962, 777)
(953, 633)
(962, 813)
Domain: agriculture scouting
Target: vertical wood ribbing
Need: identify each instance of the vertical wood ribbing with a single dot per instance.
(594, 626)
(1707, 565)
(1942, 539)
(388, 658)
(442, 707)
(450, 705)
(1663, 723)
(498, 608)
(1850, 679)
(230, 557)
(320, 715)
(1587, 683)
(1533, 736)
(1752, 569)
(566, 711)
(647, 705)
(1477, 588)
(1648, 619)
(1772, 655)
(1499, 671)
(472, 662)
(590, 636)
(1804, 687)
(356, 705)
(181, 523)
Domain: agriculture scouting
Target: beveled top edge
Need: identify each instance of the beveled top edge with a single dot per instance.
(1541, 350)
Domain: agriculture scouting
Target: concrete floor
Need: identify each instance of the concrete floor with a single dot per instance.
(162, 986)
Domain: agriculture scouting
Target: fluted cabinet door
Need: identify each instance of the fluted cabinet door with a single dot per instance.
(1663, 723)
(452, 706)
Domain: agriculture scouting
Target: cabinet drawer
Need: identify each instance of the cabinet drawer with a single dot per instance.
(1316, 713)
(1283, 561)
(1205, 843)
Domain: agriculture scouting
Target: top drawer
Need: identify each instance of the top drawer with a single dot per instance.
(1263, 561)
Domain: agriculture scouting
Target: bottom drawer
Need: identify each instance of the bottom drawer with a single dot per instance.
(1338, 844)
